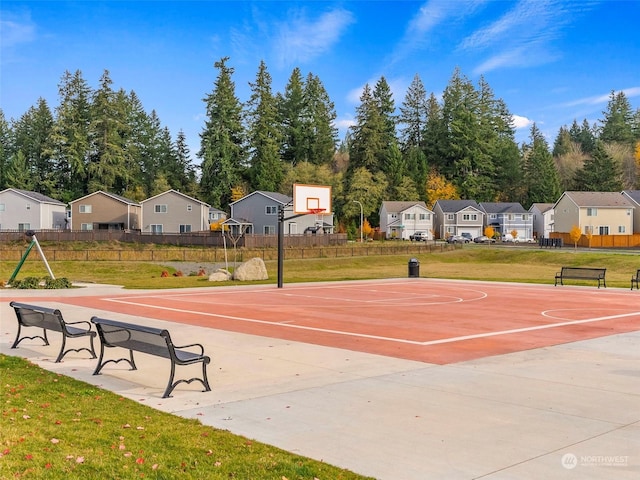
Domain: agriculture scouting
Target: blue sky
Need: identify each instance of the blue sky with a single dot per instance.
(551, 61)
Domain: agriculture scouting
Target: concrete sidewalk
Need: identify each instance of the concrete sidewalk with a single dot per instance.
(568, 411)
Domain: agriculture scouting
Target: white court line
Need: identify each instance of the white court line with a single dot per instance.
(389, 339)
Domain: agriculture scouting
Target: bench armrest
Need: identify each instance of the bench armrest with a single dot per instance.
(88, 325)
(180, 347)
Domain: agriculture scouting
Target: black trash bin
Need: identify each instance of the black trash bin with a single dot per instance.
(414, 268)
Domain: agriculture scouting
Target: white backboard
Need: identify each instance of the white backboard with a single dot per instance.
(311, 197)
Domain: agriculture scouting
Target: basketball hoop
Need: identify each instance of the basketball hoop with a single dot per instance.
(318, 212)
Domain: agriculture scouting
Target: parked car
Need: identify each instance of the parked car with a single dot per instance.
(457, 239)
(510, 238)
(419, 237)
(466, 235)
(484, 239)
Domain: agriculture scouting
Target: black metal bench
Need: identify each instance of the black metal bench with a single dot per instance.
(582, 273)
(51, 319)
(634, 280)
(152, 341)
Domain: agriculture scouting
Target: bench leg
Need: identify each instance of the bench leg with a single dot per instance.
(63, 352)
(43, 337)
(171, 384)
(101, 364)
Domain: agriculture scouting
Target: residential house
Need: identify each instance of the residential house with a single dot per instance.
(174, 212)
(634, 197)
(257, 213)
(601, 213)
(509, 218)
(25, 210)
(455, 217)
(542, 219)
(104, 211)
(216, 215)
(400, 220)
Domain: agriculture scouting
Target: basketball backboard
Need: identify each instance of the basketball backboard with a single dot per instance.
(311, 198)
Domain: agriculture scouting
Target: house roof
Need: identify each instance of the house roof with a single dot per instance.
(457, 205)
(275, 196)
(112, 195)
(633, 195)
(598, 199)
(393, 206)
(35, 196)
(187, 197)
(502, 207)
(542, 207)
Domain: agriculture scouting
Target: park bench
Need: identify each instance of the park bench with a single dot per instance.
(581, 273)
(634, 279)
(51, 319)
(152, 341)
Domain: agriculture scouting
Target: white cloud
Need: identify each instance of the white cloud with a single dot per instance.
(521, 122)
(301, 40)
(16, 29)
(604, 98)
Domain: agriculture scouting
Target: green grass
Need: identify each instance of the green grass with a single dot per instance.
(512, 264)
(55, 427)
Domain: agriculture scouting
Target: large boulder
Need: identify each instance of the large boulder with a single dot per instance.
(220, 275)
(253, 269)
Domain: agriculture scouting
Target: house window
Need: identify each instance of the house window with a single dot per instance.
(2, 207)
(84, 208)
(425, 216)
(493, 216)
(86, 226)
(270, 210)
(269, 230)
(510, 217)
(185, 228)
(603, 230)
(470, 216)
(28, 206)
(160, 208)
(156, 228)
(592, 212)
(394, 215)
(588, 229)
(189, 207)
(622, 229)
(450, 216)
(409, 216)
(23, 226)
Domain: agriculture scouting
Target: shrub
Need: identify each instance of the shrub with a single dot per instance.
(36, 283)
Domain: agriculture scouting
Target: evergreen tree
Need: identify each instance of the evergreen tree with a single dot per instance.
(18, 174)
(222, 152)
(583, 135)
(6, 146)
(435, 135)
(367, 145)
(383, 98)
(541, 176)
(413, 115)
(32, 136)
(264, 134)
(562, 144)
(600, 172)
(184, 172)
(293, 115)
(618, 120)
(321, 115)
(70, 136)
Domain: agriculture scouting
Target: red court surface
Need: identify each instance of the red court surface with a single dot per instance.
(435, 321)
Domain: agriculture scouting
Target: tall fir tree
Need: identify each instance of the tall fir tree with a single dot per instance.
(541, 176)
(6, 145)
(617, 125)
(293, 116)
(321, 116)
(264, 134)
(414, 113)
(600, 172)
(222, 152)
(367, 145)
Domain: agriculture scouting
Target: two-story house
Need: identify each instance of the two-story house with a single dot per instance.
(25, 210)
(634, 197)
(542, 219)
(509, 218)
(600, 213)
(455, 217)
(400, 220)
(104, 211)
(257, 213)
(174, 212)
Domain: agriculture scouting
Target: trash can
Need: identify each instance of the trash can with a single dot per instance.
(414, 268)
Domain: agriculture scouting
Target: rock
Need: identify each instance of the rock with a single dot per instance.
(253, 269)
(220, 275)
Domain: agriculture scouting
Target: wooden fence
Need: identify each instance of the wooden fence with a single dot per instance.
(600, 241)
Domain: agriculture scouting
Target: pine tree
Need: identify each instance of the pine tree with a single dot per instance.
(367, 145)
(264, 134)
(600, 172)
(618, 120)
(293, 115)
(541, 176)
(222, 152)
(413, 117)
(321, 115)
(6, 146)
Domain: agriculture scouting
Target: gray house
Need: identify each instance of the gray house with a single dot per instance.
(634, 197)
(24, 210)
(542, 219)
(174, 212)
(510, 219)
(257, 213)
(455, 217)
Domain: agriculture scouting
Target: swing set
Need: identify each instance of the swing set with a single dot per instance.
(34, 242)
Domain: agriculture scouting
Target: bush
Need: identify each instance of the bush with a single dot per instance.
(27, 283)
(35, 283)
(50, 283)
